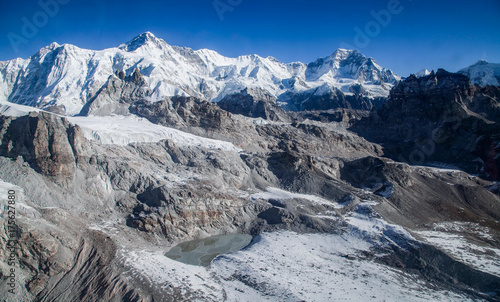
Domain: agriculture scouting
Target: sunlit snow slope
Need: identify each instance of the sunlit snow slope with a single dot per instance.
(68, 77)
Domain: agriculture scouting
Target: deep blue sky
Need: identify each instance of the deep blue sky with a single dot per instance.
(425, 34)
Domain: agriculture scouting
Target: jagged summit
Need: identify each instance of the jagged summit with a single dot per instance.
(446, 110)
(141, 40)
(351, 64)
(481, 62)
(53, 45)
(423, 73)
(440, 82)
(341, 53)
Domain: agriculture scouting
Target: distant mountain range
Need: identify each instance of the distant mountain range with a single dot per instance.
(67, 79)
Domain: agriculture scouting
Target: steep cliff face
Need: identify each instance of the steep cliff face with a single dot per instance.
(45, 141)
(440, 117)
(254, 103)
(116, 95)
(90, 274)
(325, 98)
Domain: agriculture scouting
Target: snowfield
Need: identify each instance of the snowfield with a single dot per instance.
(451, 238)
(279, 194)
(287, 266)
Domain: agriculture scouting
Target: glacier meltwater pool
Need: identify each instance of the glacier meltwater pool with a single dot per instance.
(202, 251)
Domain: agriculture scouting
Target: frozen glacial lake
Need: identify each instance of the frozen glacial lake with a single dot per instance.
(202, 251)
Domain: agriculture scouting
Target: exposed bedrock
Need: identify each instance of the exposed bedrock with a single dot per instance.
(443, 118)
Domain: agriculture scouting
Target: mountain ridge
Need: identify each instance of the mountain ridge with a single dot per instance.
(67, 77)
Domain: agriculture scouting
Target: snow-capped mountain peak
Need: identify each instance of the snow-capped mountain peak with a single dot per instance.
(53, 45)
(342, 54)
(483, 73)
(422, 73)
(481, 62)
(350, 64)
(67, 77)
(146, 38)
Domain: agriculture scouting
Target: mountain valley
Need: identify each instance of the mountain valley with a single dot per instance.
(352, 181)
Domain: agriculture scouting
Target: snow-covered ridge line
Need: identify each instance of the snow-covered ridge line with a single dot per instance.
(68, 77)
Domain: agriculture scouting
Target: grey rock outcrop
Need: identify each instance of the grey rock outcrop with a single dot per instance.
(344, 117)
(441, 117)
(184, 112)
(317, 99)
(116, 95)
(254, 103)
(45, 141)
